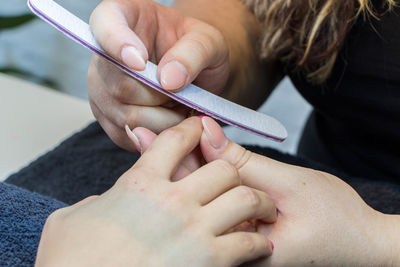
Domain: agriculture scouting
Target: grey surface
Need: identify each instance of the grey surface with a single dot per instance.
(43, 51)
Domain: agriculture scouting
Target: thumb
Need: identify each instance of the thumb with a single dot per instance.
(112, 31)
(255, 171)
(201, 52)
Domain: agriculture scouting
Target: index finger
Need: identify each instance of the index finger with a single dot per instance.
(111, 27)
(170, 147)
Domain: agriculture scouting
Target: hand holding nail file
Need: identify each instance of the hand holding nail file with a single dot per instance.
(192, 96)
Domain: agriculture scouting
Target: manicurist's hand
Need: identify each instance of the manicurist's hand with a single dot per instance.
(322, 221)
(135, 31)
(145, 219)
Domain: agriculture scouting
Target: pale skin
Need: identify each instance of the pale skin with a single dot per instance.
(147, 220)
(216, 38)
(322, 221)
(214, 50)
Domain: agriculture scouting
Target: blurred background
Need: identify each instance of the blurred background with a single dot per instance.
(32, 50)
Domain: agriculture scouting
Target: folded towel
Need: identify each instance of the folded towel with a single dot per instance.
(22, 216)
(89, 163)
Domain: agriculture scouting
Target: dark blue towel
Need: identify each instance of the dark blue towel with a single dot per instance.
(22, 216)
(89, 163)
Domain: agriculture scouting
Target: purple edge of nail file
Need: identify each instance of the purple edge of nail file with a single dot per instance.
(192, 96)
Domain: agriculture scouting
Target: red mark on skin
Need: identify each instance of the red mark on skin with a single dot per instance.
(141, 190)
(201, 116)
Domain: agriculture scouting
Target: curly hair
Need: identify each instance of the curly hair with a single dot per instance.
(308, 33)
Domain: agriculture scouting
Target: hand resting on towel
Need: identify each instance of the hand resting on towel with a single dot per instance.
(322, 221)
(145, 219)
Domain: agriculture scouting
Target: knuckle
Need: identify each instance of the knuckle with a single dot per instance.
(95, 111)
(177, 200)
(92, 72)
(241, 158)
(55, 218)
(121, 90)
(130, 117)
(248, 243)
(250, 197)
(200, 50)
(229, 170)
(174, 134)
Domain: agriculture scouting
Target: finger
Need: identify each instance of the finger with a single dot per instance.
(142, 138)
(241, 247)
(236, 206)
(122, 87)
(154, 118)
(255, 171)
(170, 147)
(111, 25)
(189, 164)
(201, 47)
(210, 181)
(116, 134)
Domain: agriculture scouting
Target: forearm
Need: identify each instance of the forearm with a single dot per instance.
(250, 81)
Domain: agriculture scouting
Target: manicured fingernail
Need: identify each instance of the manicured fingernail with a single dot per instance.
(272, 245)
(133, 58)
(215, 135)
(173, 75)
(134, 139)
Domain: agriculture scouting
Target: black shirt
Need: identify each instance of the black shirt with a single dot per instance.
(355, 124)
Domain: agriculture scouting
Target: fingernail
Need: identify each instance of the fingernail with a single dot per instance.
(272, 245)
(133, 58)
(134, 139)
(201, 116)
(215, 135)
(173, 75)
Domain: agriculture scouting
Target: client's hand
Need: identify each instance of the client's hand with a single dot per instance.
(134, 31)
(322, 221)
(147, 220)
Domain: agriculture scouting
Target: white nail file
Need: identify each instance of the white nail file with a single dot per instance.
(192, 96)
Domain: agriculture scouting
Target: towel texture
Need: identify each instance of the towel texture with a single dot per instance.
(22, 216)
(89, 163)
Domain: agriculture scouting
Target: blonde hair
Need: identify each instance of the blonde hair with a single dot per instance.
(308, 33)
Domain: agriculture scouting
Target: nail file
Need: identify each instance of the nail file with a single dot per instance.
(191, 96)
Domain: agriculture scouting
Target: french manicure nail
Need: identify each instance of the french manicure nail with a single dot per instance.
(173, 75)
(215, 135)
(132, 58)
(134, 139)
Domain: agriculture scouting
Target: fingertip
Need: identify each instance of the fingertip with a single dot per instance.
(145, 136)
(173, 76)
(133, 58)
(135, 140)
(110, 27)
(214, 132)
